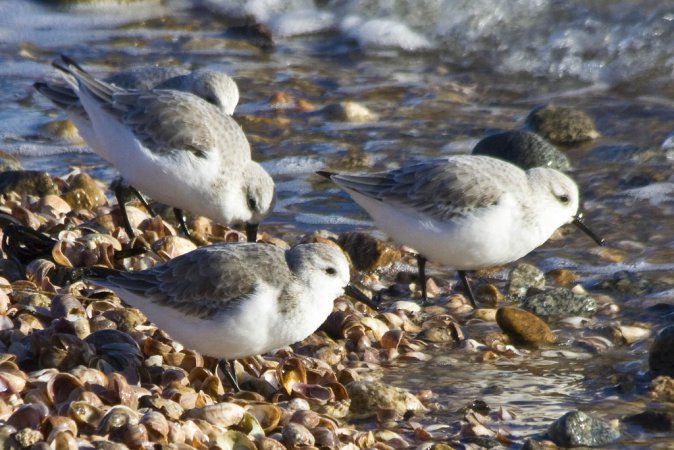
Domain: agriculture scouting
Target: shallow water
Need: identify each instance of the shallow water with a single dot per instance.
(477, 75)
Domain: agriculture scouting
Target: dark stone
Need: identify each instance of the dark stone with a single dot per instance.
(577, 429)
(651, 421)
(524, 149)
(366, 252)
(661, 354)
(561, 124)
(27, 182)
(560, 302)
(626, 282)
(522, 277)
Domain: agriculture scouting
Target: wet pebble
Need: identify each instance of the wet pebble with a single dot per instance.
(577, 429)
(367, 397)
(560, 302)
(561, 124)
(626, 282)
(8, 162)
(656, 421)
(348, 111)
(662, 389)
(522, 277)
(524, 327)
(661, 353)
(522, 148)
(27, 182)
(368, 253)
(88, 188)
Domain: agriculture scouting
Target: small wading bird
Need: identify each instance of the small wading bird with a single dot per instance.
(176, 143)
(232, 301)
(467, 212)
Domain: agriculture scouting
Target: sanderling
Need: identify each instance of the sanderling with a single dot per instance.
(467, 212)
(230, 301)
(176, 147)
(215, 87)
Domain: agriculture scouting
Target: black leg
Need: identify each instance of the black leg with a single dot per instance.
(251, 232)
(119, 194)
(142, 199)
(180, 217)
(421, 264)
(228, 369)
(469, 291)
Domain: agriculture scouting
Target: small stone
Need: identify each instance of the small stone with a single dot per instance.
(560, 302)
(441, 334)
(561, 124)
(627, 282)
(366, 252)
(522, 148)
(523, 277)
(662, 389)
(27, 182)
(8, 162)
(562, 277)
(523, 327)
(577, 429)
(652, 421)
(367, 397)
(349, 111)
(661, 354)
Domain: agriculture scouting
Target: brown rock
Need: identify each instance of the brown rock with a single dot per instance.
(662, 389)
(90, 187)
(524, 327)
(562, 125)
(489, 294)
(563, 277)
(367, 397)
(368, 253)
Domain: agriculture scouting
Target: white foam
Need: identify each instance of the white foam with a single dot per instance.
(383, 33)
(293, 165)
(655, 193)
(304, 21)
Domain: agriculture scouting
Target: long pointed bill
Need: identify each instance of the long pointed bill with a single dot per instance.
(578, 221)
(352, 291)
(251, 232)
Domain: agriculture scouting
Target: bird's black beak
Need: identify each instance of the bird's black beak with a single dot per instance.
(352, 291)
(578, 221)
(251, 232)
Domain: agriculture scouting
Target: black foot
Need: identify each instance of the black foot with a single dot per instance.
(228, 369)
(421, 264)
(180, 217)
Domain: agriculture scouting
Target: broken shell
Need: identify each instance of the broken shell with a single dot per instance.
(60, 387)
(168, 247)
(156, 425)
(64, 440)
(116, 418)
(28, 416)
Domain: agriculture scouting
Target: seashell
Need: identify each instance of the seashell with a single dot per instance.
(296, 435)
(59, 424)
(290, 372)
(378, 327)
(12, 379)
(222, 414)
(135, 436)
(93, 240)
(632, 334)
(121, 392)
(65, 351)
(267, 415)
(68, 253)
(85, 413)
(232, 439)
(391, 339)
(60, 387)
(250, 426)
(168, 247)
(314, 393)
(29, 415)
(325, 437)
(28, 437)
(38, 272)
(115, 348)
(64, 440)
(156, 425)
(267, 443)
(117, 418)
(307, 418)
(66, 305)
(156, 225)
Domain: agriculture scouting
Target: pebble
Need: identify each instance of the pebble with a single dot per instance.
(368, 253)
(488, 294)
(561, 124)
(522, 277)
(661, 354)
(524, 327)
(577, 429)
(8, 162)
(524, 149)
(90, 187)
(367, 397)
(562, 277)
(626, 282)
(27, 182)
(348, 111)
(662, 389)
(655, 421)
(560, 302)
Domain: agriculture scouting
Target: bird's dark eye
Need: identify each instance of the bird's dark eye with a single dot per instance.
(252, 204)
(563, 198)
(331, 271)
(212, 100)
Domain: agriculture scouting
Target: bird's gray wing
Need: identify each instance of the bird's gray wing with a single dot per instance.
(440, 188)
(208, 280)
